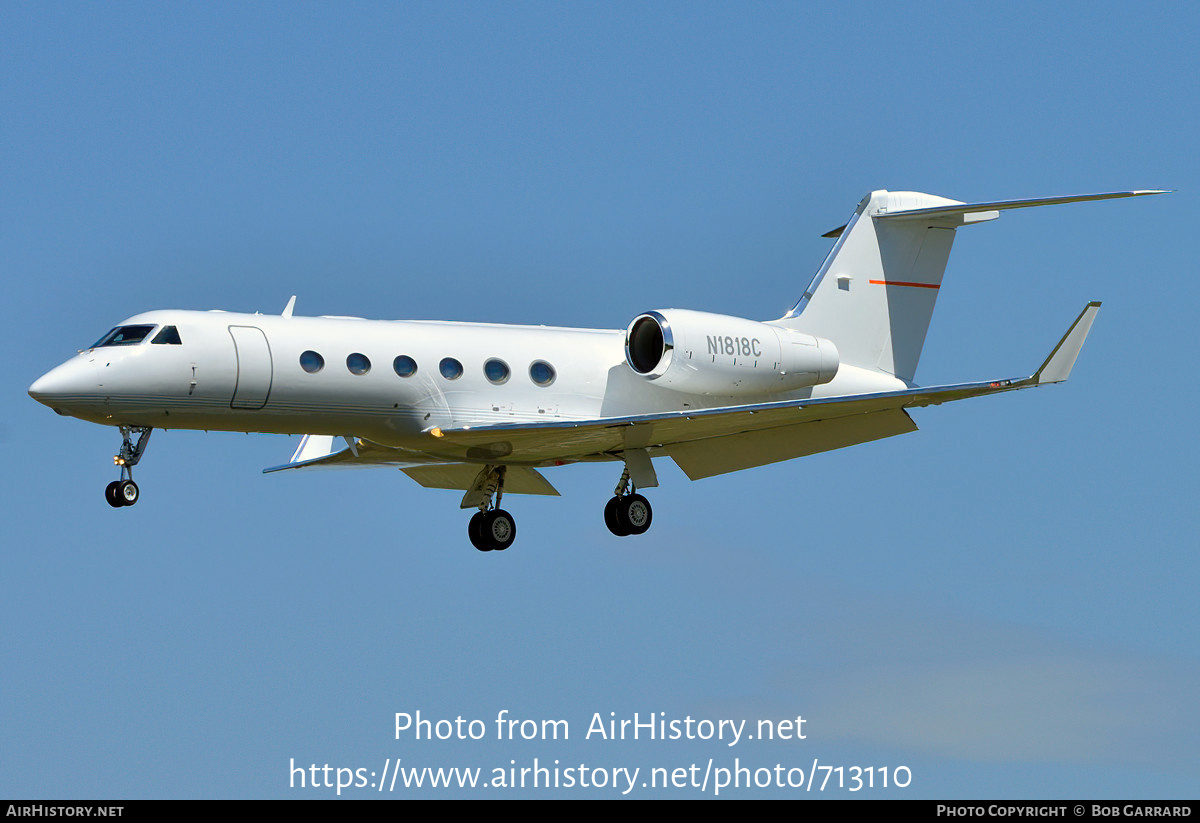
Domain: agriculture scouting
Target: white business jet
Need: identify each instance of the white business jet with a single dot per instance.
(482, 407)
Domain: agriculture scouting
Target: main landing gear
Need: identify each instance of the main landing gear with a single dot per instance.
(124, 492)
(491, 529)
(627, 514)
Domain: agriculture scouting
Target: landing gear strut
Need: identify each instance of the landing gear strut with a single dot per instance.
(627, 514)
(124, 492)
(491, 528)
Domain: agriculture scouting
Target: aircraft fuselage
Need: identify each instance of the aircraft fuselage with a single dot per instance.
(390, 382)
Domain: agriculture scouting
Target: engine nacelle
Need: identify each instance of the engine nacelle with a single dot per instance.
(702, 353)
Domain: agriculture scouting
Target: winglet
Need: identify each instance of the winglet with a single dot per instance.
(287, 310)
(1057, 367)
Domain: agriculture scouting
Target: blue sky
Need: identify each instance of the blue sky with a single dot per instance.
(1003, 602)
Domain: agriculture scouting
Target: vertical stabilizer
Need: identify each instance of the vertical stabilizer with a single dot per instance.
(874, 295)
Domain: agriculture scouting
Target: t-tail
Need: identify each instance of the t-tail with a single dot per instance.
(874, 294)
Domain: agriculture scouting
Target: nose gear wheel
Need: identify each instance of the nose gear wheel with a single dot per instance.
(124, 492)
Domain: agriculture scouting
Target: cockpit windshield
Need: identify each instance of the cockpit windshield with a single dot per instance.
(168, 336)
(124, 336)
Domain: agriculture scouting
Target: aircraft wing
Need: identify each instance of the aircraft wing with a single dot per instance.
(703, 442)
(714, 441)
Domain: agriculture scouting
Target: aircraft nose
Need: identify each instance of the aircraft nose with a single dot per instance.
(62, 384)
(45, 386)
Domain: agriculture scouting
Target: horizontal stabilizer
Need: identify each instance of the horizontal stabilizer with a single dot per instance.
(962, 210)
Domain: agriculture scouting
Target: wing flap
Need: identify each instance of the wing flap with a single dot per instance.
(461, 476)
(319, 451)
(706, 458)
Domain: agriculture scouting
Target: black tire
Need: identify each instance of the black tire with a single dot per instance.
(475, 532)
(634, 514)
(499, 529)
(611, 520)
(110, 494)
(127, 493)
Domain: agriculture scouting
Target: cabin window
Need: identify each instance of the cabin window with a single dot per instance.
(496, 371)
(541, 372)
(312, 362)
(358, 363)
(450, 368)
(405, 366)
(124, 336)
(168, 336)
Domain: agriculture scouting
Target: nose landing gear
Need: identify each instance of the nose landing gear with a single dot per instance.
(124, 492)
(121, 493)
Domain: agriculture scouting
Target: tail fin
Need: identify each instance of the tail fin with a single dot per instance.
(874, 294)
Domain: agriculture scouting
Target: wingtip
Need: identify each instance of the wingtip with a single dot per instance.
(1057, 367)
